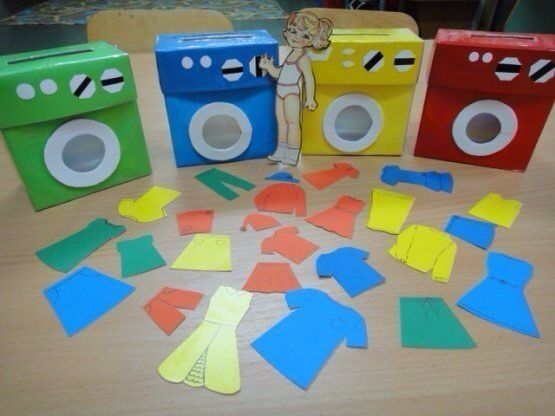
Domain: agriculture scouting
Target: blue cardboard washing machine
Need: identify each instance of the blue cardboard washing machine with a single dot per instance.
(220, 104)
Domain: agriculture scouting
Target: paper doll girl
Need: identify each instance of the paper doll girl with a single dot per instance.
(304, 29)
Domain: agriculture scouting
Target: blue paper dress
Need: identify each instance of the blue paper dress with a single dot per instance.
(348, 266)
(299, 345)
(499, 297)
(83, 296)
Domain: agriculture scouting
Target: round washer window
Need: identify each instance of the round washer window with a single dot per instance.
(484, 127)
(352, 122)
(220, 131)
(82, 153)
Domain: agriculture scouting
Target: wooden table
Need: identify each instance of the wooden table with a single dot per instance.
(110, 368)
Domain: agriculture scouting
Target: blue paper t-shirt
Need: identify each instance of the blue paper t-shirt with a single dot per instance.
(299, 345)
(348, 266)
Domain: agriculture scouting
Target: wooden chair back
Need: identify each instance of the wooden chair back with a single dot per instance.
(136, 30)
(344, 19)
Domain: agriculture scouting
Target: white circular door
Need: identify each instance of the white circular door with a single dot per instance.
(82, 153)
(484, 127)
(352, 122)
(220, 131)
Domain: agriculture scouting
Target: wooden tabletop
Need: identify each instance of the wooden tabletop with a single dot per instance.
(111, 367)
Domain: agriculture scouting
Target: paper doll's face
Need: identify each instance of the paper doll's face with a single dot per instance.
(296, 37)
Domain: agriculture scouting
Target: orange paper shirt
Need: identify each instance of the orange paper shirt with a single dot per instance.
(286, 198)
(271, 278)
(162, 308)
(259, 222)
(340, 218)
(286, 242)
(192, 222)
(324, 178)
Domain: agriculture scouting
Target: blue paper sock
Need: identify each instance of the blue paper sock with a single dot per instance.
(436, 181)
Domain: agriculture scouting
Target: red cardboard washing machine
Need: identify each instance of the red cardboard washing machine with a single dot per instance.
(489, 95)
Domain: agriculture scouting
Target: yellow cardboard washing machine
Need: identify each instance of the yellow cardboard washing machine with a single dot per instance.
(365, 83)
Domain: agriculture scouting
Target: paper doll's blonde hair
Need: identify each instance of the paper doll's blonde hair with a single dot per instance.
(318, 28)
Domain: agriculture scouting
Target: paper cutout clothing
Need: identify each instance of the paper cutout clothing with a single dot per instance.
(499, 298)
(163, 307)
(430, 323)
(271, 278)
(286, 242)
(476, 232)
(339, 219)
(424, 249)
(205, 252)
(348, 266)
(389, 211)
(208, 357)
(149, 206)
(217, 180)
(282, 177)
(83, 296)
(324, 178)
(299, 345)
(286, 198)
(66, 253)
(436, 181)
(138, 255)
(497, 210)
(259, 222)
(192, 222)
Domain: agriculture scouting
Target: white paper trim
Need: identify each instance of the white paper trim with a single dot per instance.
(507, 119)
(62, 135)
(336, 107)
(214, 109)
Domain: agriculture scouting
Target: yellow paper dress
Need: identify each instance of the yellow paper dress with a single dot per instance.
(424, 249)
(209, 356)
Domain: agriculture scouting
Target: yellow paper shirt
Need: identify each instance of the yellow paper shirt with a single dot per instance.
(424, 249)
(205, 252)
(388, 211)
(209, 356)
(497, 210)
(148, 207)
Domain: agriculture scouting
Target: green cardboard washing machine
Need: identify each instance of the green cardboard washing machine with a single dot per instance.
(70, 121)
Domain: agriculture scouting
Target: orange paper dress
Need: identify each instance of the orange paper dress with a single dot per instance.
(340, 218)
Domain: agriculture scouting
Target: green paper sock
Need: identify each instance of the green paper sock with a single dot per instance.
(63, 255)
(216, 179)
(138, 255)
(430, 323)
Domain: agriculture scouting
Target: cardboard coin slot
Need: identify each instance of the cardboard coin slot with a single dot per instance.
(225, 36)
(48, 55)
(503, 36)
